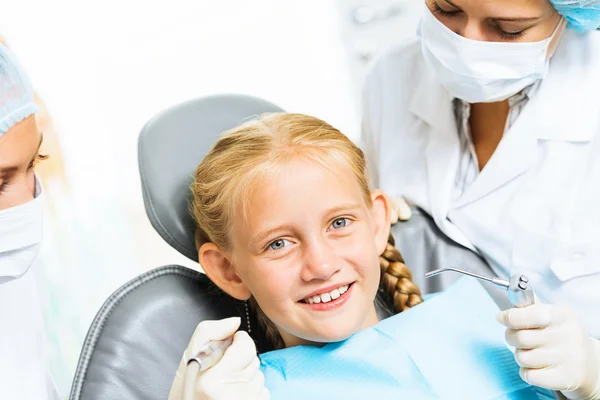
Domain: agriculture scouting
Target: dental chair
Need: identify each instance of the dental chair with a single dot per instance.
(136, 341)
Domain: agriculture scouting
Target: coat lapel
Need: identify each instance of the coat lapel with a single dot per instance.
(432, 105)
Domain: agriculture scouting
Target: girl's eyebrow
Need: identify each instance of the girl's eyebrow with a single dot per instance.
(265, 234)
(343, 207)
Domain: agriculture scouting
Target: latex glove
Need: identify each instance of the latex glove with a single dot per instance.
(553, 349)
(400, 210)
(236, 376)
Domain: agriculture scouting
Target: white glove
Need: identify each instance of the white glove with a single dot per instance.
(236, 376)
(553, 350)
(400, 210)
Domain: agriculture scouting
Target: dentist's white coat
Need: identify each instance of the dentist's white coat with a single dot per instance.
(535, 207)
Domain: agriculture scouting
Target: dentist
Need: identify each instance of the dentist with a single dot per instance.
(23, 372)
(494, 110)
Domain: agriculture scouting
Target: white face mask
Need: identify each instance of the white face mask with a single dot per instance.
(20, 236)
(479, 71)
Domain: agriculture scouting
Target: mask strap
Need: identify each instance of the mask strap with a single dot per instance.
(38, 186)
(562, 23)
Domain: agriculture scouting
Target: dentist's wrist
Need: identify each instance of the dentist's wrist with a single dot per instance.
(595, 395)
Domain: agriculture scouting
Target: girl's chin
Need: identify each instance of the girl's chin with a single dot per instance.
(322, 338)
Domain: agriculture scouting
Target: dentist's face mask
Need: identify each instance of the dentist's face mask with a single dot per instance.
(479, 71)
(20, 236)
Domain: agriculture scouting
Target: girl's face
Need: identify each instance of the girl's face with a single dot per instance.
(19, 150)
(498, 20)
(308, 252)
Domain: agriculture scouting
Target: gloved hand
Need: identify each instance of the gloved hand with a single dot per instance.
(400, 210)
(553, 349)
(236, 376)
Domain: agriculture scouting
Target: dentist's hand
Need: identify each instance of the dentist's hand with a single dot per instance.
(554, 350)
(236, 376)
(400, 210)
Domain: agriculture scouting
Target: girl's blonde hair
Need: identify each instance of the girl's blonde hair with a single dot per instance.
(255, 150)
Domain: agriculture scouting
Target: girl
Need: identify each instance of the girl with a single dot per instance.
(286, 221)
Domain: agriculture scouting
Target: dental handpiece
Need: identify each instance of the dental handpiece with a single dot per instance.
(518, 287)
(210, 354)
(207, 356)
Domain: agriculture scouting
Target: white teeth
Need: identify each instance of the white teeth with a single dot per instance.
(327, 297)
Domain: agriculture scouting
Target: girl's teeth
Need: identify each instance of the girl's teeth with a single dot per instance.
(327, 297)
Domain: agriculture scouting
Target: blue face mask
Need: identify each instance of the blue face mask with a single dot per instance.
(449, 347)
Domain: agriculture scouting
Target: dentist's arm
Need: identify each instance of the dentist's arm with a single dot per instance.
(554, 350)
(236, 376)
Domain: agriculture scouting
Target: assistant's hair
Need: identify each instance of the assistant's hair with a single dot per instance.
(257, 149)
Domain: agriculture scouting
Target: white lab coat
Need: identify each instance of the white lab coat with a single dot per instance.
(24, 372)
(535, 207)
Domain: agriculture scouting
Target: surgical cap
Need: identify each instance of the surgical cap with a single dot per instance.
(582, 15)
(16, 92)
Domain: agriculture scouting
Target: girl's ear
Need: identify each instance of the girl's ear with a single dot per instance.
(219, 269)
(380, 215)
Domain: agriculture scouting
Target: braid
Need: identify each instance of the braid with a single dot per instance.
(271, 332)
(396, 279)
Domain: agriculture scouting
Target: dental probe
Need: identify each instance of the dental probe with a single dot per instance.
(518, 288)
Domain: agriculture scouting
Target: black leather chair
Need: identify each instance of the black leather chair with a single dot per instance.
(136, 340)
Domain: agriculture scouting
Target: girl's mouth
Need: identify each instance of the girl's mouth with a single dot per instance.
(328, 300)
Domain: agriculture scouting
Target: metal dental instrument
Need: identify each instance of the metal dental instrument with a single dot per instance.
(210, 354)
(518, 288)
(207, 356)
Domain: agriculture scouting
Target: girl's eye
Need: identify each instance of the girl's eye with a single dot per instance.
(3, 187)
(39, 158)
(340, 223)
(278, 244)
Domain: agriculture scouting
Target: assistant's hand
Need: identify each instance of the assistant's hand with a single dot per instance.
(400, 210)
(236, 376)
(554, 350)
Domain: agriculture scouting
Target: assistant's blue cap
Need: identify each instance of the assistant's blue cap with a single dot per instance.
(582, 15)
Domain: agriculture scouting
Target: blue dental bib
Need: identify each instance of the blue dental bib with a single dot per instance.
(448, 347)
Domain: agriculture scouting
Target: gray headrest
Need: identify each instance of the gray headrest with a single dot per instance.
(171, 146)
